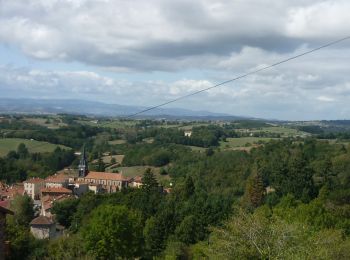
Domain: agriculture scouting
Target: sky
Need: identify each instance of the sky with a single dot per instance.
(148, 52)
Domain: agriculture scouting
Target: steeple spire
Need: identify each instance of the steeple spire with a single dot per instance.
(83, 165)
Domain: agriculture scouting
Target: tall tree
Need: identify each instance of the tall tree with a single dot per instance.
(22, 151)
(254, 191)
(149, 181)
(23, 208)
(114, 232)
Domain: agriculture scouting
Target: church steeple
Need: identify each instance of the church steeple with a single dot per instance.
(83, 165)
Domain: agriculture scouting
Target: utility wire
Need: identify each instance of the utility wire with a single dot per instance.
(239, 77)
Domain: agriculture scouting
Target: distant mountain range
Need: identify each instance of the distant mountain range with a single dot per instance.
(91, 108)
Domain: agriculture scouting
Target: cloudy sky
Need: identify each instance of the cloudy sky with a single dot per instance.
(148, 52)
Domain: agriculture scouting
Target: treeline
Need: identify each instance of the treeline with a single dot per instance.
(20, 165)
(291, 195)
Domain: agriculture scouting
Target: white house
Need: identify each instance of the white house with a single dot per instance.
(32, 187)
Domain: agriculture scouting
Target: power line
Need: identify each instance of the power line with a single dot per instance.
(239, 77)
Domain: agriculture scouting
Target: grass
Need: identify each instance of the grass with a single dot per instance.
(283, 131)
(107, 159)
(116, 124)
(197, 148)
(52, 122)
(118, 141)
(243, 142)
(148, 140)
(134, 171)
(11, 144)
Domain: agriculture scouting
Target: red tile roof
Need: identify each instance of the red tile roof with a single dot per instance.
(138, 179)
(106, 176)
(57, 178)
(41, 220)
(56, 190)
(34, 180)
(47, 200)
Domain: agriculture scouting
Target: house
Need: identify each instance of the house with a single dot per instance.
(3, 245)
(7, 192)
(33, 186)
(43, 227)
(55, 191)
(47, 202)
(96, 188)
(136, 182)
(78, 188)
(57, 181)
(98, 181)
(110, 182)
(188, 133)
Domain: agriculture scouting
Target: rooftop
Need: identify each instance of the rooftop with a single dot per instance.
(57, 178)
(34, 180)
(106, 176)
(137, 179)
(56, 190)
(41, 220)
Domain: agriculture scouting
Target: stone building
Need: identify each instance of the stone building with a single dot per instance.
(43, 227)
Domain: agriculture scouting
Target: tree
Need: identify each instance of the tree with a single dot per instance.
(22, 151)
(260, 236)
(64, 211)
(101, 165)
(23, 208)
(114, 232)
(149, 181)
(186, 232)
(255, 191)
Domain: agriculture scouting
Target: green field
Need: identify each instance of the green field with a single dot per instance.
(134, 171)
(118, 141)
(197, 148)
(51, 122)
(11, 144)
(117, 124)
(234, 143)
(283, 131)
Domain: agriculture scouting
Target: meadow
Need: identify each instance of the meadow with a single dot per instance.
(11, 144)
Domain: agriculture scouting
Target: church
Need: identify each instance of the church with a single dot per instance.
(103, 181)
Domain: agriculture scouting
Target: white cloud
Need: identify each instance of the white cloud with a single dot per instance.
(253, 96)
(220, 39)
(325, 99)
(164, 35)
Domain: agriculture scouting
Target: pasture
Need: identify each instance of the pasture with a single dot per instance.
(243, 142)
(11, 144)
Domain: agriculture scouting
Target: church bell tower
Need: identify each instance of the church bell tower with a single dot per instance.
(83, 165)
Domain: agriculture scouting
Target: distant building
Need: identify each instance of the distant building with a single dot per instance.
(188, 133)
(136, 182)
(47, 202)
(78, 188)
(8, 192)
(43, 227)
(110, 182)
(98, 181)
(3, 247)
(57, 181)
(55, 191)
(32, 187)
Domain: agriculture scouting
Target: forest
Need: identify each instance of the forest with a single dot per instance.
(288, 198)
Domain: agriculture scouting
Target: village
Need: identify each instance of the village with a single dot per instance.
(68, 183)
